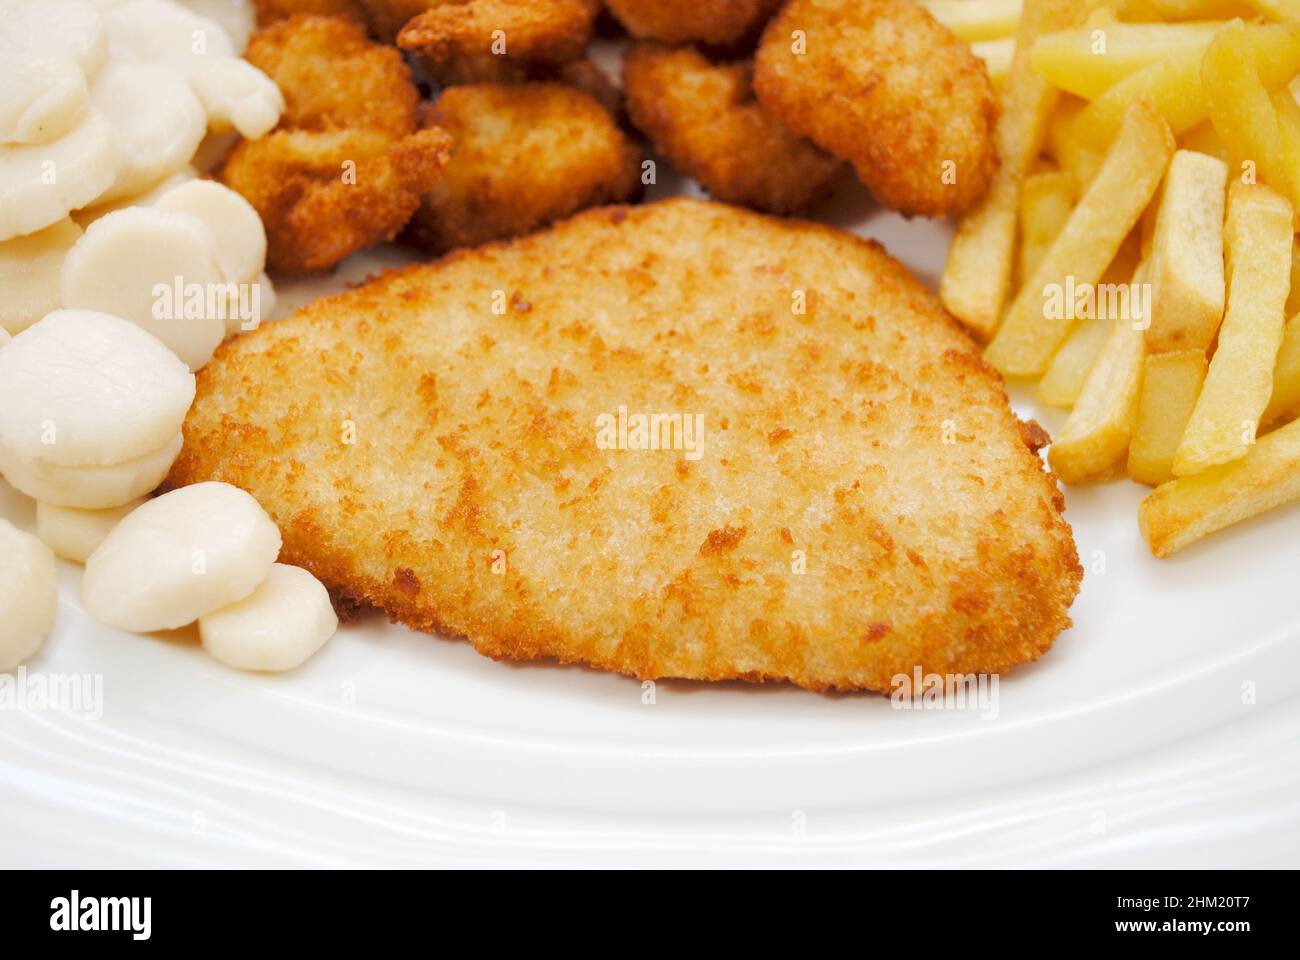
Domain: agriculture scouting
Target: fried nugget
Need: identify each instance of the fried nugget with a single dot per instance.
(883, 85)
(346, 167)
(703, 117)
(269, 11)
(463, 444)
(524, 155)
(717, 22)
(468, 41)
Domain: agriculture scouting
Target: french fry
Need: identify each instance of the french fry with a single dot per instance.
(1293, 296)
(1257, 243)
(1283, 11)
(1285, 397)
(1171, 382)
(1045, 203)
(1187, 284)
(997, 56)
(1087, 244)
(1174, 85)
(1242, 112)
(1097, 432)
(1203, 138)
(978, 269)
(1080, 160)
(1063, 381)
(1179, 10)
(1184, 510)
(1288, 122)
(1087, 61)
(974, 20)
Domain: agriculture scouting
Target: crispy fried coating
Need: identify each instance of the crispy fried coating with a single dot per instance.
(346, 167)
(524, 155)
(269, 11)
(469, 41)
(863, 500)
(703, 117)
(883, 85)
(718, 22)
(387, 17)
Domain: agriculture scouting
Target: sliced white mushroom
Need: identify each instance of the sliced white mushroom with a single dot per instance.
(180, 557)
(58, 29)
(88, 215)
(29, 274)
(237, 94)
(81, 388)
(41, 183)
(41, 98)
(74, 533)
(158, 120)
(236, 227)
(158, 270)
(29, 597)
(276, 627)
(98, 487)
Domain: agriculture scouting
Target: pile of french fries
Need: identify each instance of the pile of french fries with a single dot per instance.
(1136, 252)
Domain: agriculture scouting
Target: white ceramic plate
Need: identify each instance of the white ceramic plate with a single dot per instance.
(1160, 730)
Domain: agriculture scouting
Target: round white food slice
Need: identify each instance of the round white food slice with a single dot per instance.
(74, 533)
(158, 120)
(91, 487)
(164, 33)
(250, 306)
(40, 183)
(180, 557)
(59, 29)
(236, 227)
(88, 215)
(41, 98)
(28, 595)
(236, 17)
(238, 95)
(158, 270)
(29, 274)
(83, 388)
(276, 627)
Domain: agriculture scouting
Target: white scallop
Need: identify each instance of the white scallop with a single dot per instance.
(158, 120)
(96, 487)
(180, 557)
(164, 33)
(128, 262)
(88, 215)
(236, 17)
(238, 95)
(29, 273)
(74, 533)
(83, 388)
(41, 98)
(236, 227)
(276, 627)
(28, 595)
(58, 29)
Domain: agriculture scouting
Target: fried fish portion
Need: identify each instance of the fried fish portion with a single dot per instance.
(846, 494)
(524, 155)
(703, 117)
(346, 167)
(885, 86)
(467, 41)
(269, 11)
(718, 22)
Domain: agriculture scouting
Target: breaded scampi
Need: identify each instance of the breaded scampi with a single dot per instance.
(844, 494)
(469, 41)
(715, 22)
(883, 85)
(523, 156)
(346, 167)
(704, 119)
(269, 11)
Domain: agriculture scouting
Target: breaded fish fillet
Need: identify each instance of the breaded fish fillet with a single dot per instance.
(346, 166)
(703, 117)
(524, 155)
(457, 443)
(882, 84)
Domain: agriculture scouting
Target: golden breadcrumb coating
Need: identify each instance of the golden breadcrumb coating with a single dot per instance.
(346, 167)
(523, 156)
(269, 11)
(883, 85)
(864, 501)
(718, 22)
(703, 117)
(468, 41)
